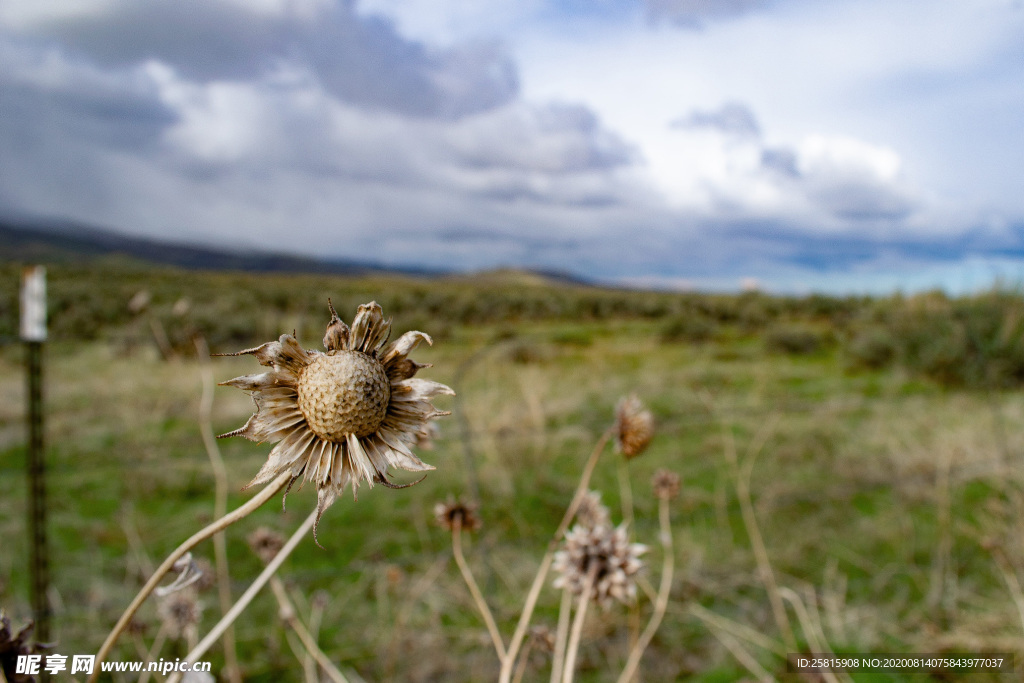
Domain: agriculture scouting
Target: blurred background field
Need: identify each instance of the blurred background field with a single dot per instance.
(887, 487)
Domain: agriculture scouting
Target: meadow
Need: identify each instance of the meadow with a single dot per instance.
(858, 459)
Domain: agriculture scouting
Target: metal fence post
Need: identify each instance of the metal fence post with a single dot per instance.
(33, 333)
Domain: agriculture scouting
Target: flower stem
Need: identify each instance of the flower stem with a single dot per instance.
(663, 592)
(287, 610)
(200, 536)
(243, 602)
(220, 505)
(577, 626)
(564, 615)
(545, 564)
(478, 597)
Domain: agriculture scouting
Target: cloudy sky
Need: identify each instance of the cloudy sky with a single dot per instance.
(849, 145)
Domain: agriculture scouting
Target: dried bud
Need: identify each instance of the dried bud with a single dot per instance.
(266, 543)
(592, 512)
(542, 638)
(455, 511)
(634, 426)
(665, 484)
(180, 612)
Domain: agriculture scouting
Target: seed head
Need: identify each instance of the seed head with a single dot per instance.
(180, 612)
(342, 416)
(634, 426)
(454, 511)
(543, 639)
(592, 512)
(266, 543)
(666, 484)
(608, 553)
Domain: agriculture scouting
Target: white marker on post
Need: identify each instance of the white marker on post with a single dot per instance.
(33, 304)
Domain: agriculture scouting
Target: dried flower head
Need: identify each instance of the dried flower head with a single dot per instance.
(542, 638)
(592, 512)
(266, 543)
(180, 611)
(12, 645)
(606, 552)
(665, 484)
(455, 510)
(634, 426)
(344, 416)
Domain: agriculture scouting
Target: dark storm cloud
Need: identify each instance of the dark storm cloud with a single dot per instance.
(732, 118)
(849, 250)
(113, 110)
(359, 59)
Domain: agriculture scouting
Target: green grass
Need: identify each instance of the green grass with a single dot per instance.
(848, 489)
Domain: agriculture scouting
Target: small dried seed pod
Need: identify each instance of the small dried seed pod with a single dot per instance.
(592, 512)
(666, 484)
(266, 543)
(634, 426)
(454, 511)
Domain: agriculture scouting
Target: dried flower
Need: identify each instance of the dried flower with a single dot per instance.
(665, 484)
(180, 611)
(634, 426)
(344, 416)
(608, 553)
(542, 638)
(592, 512)
(454, 510)
(12, 645)
(266, 543)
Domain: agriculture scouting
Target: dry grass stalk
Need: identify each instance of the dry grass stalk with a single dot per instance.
(742, 475)
(562, 635)
(664, 589)
(810, 631)
(744, 657)
(545, 565)
(219, 525)
(220, 505)
(478, 598)
(577, 625)
(246, 597)
(287, 611)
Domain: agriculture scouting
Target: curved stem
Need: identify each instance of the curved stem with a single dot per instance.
(478, 597)
(287, 611)
(200, 536)
(243, 602)
(545, 564)
(564, 615)
(220, 505)
(663, 592)
(577, 627)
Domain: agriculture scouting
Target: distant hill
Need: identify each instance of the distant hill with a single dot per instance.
(74, 243)
(65, 242)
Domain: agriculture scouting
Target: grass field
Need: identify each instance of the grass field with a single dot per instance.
(887, 493)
